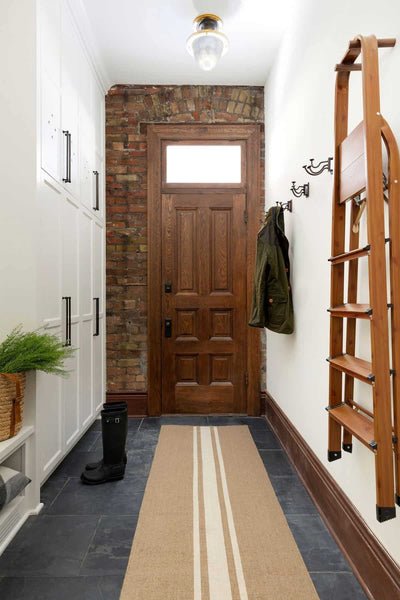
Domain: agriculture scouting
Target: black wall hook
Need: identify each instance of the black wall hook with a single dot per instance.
(286, 205)
(324, 165)
(301, 190)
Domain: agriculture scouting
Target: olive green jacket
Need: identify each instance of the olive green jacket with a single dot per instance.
(272, 305)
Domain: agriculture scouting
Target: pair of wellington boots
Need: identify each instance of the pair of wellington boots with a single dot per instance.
(114, 427)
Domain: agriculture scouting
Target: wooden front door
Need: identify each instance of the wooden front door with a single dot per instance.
(202, 356)
(204, 344)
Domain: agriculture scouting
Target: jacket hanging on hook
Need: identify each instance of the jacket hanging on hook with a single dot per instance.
(272, 305)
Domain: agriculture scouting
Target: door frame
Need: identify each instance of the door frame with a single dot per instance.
(157, 136)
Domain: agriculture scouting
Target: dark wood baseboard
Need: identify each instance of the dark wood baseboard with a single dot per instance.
(136, 401)
(377, 572)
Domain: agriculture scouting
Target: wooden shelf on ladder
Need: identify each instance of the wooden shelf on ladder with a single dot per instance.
(358, 170)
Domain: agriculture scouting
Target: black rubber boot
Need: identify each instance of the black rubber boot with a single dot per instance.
(114, 429)
(108, 406)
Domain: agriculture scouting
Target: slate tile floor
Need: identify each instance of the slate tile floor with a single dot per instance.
(78, 547)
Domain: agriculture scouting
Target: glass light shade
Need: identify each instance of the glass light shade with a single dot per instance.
(207, 47)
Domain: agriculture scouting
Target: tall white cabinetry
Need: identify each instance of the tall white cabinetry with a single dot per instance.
(71, 234)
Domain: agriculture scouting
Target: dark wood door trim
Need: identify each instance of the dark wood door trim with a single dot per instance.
(157, 134)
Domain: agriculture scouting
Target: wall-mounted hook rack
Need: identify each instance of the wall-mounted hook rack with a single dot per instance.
(324, 165)
(301, 190)
(286, 205)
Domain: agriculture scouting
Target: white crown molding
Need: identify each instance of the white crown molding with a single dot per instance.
(82, 24)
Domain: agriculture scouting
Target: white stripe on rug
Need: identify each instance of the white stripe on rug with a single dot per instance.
(231, 525)
(218, 573)
(196, 520)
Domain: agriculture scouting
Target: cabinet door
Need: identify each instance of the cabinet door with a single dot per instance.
(50, 446)
(98, 340)
(50, 39)
(86, 317)
(69, 286)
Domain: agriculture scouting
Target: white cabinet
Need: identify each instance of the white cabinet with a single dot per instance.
(71, 258)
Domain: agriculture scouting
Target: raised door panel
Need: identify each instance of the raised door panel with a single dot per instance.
(99, 118)
(49, 248)
(186, 251)
(87, 158)
(49, 419)
(70, 79)
(50, 127)
(98, 340)
(85, 265)
(70, 391)
(85, 372)
(50, 46)
(70, 252)
(221, 275)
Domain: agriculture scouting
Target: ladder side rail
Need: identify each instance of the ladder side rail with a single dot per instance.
(377, 280)
(394, 233)
(337, 270)
(351, 323)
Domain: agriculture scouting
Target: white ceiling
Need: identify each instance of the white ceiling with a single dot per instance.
(143, 41)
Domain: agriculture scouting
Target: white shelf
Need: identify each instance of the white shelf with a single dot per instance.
(8, 446)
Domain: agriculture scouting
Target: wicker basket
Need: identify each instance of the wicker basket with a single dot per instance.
(12, 392)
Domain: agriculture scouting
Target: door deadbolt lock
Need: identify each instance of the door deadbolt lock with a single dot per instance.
(168, 288)
(168, 328)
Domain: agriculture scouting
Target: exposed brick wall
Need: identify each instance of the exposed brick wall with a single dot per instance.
(128, 110)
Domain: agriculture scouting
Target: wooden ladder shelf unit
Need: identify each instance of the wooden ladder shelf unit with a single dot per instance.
(358, 169)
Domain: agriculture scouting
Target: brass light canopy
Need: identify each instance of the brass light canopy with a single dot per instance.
(207, 44)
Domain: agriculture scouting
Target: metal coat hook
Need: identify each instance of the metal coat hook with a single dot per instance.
(286, 205)
(324, 165)
(301, 190)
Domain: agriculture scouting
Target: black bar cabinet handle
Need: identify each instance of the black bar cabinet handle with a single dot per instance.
(67, 320)
(96, 206)
(67, 178)
(97, 316)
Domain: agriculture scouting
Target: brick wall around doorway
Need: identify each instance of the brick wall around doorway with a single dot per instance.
(129, 108)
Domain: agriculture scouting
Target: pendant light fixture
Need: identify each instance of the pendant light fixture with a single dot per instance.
(207, 44)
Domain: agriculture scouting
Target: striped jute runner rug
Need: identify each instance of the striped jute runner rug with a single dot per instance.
(210, 526)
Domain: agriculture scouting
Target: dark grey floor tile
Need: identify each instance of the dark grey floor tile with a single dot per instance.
(251, 422)
(337, 586)
(75, 462)
(111, 546)
(193, 420)
(134, 423)
(276, 463)
(87, 442)
(150, 423)
(96, 426)
(112, 498)
(318, 548)
(293, 496)
(265, 439)
(48, 545)
(142, 440)
(61, 588)
(50, 490)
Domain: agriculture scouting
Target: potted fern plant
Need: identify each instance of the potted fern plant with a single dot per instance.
(21, 352)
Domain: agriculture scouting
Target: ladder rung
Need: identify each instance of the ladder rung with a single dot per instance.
(382, 43)
(357, 424)
(352, 311)
(353, 366)
(353, 254)
(349, 67)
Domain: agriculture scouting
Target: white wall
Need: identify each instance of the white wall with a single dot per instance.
(299, 125)
(17, 164)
